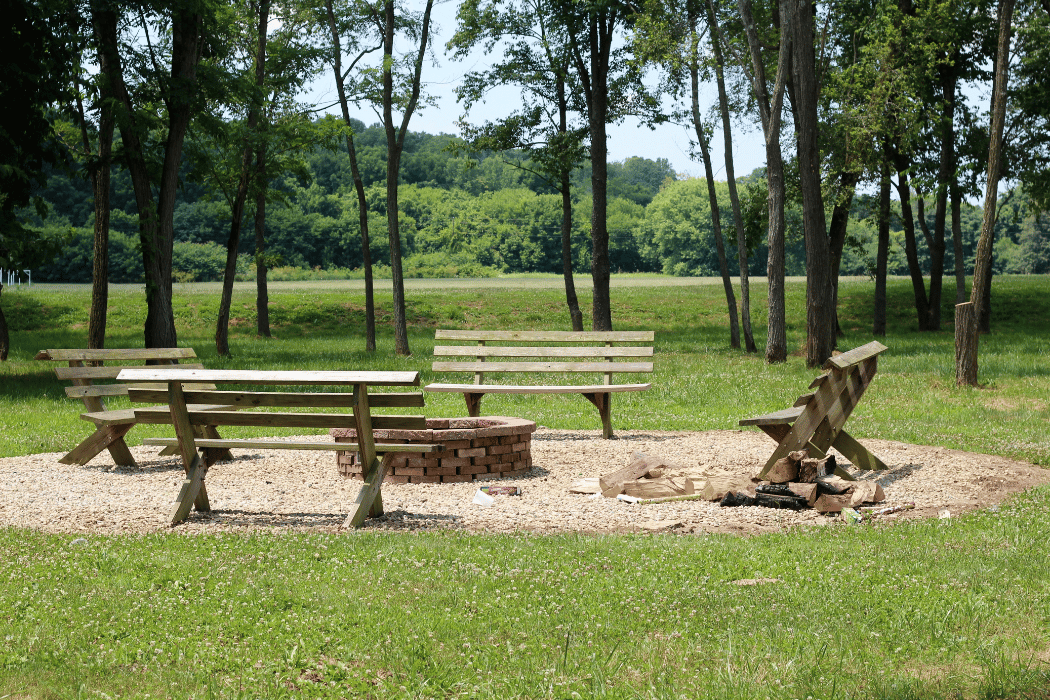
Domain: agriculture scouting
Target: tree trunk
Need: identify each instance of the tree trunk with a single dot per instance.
(359, 188)
(100, 183)
(911, 251)
(837, 237)
(734, 197)
(5, 334)
(222, 323)
(770, 112)
(882, 256)
(599, 35)
(957, 243)
(262, 294)
(820, 308)
(966, 333)
(575, 314)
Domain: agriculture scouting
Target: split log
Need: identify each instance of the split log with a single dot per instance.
(866, 492)
(806, 491)
(716, 487)
(786, 468)
(833, 485)
(812, 468)
(830, 503)
(640, 465)
(659, 488)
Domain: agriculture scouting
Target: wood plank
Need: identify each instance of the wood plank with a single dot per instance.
(286, 399)
(284, 420)
(229, 443)
(541, 351)
(273, 378)
(77, 392)
(193, 487)
(855, 356)
(117, 354)
(113, 371)
(534, 389)
(158, 415)
(548, 336)
(539, 367)
(782, 417)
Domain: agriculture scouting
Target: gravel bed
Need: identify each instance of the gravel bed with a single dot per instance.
(281, 489)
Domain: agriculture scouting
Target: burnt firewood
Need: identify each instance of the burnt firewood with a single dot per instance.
(812, 469)
(737, 498)
(832, 486)
(770, 500)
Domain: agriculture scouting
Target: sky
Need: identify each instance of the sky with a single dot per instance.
(670, 141)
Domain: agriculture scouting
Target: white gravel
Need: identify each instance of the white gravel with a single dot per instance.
(279, 489)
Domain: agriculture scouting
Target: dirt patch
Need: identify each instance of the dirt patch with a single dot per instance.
(277, 489)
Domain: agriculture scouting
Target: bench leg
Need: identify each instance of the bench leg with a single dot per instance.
(603, 402)
(191, 491)
(857, 453)
(109, 437)
(369, 498)
(473, 404)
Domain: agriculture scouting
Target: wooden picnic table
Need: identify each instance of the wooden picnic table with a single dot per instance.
(358, 398)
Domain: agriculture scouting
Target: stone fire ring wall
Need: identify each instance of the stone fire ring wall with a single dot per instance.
(492, 447)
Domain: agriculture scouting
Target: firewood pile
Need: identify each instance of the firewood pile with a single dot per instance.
(795, 482)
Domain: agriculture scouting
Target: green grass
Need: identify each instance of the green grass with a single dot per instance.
(934, 609)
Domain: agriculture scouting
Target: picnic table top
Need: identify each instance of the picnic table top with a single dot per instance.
(276, 377)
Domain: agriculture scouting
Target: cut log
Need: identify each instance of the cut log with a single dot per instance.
(786, 468)
(812, 468)
(806, 491)
(640, 465)
(773, 500)
(716, 487)
(829, 503)
(833, 485)
(658, 488)
(866, 492)
(588, 485)
(734, 499)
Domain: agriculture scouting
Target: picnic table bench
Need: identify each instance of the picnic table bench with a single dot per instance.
(816, 419)
(86, 367)
(192, 448)
(558, 352)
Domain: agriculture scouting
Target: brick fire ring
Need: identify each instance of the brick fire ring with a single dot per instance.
(492, 447)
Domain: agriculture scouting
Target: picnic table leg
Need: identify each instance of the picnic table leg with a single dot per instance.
(192, 491)
(473, 403)
(109, 437)
(857, 453)
(603, 402)
(370, 496)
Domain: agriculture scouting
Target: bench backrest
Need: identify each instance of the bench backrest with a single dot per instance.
(86, 367)
(562, 351)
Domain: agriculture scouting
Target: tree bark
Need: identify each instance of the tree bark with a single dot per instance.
(966, 334)
(837, 237)
(734, 197)
(222, 323)
(716, 226)
(262, 293)
(957, 243)
(882, 255)
(910, 249)
(599, 36)
(575, 314)
(770, 112)
(359, 187)
(5, 334)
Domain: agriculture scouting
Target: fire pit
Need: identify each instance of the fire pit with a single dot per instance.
(492, 447)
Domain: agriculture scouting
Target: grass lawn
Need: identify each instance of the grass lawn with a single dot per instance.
(954, 608)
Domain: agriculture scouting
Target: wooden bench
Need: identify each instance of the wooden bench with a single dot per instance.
(86, 368)
(187, 420)
(816, 420)
(559, 352)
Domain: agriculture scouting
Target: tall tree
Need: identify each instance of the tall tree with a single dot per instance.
(536, 56)
(351, 24)
(966, 315)
(164, 101)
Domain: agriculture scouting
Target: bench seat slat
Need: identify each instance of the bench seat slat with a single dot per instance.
(527, 389)
(124, 416)
(109, 372)
(538, 367)
(268, 378)
(855, 356)
(77, 392)
(281, 420)
(541, 351)
(548, 336)
(228, 443)
(287, 399)
(784, 417)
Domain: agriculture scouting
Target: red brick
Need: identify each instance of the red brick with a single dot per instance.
(473, 469)
(521, 447)
(501, 449)
(487, 460)
(425, 479)
(509, 439)
(456, 462)
(397, 479)
(409, 471)
(441, 471)
(471, 452)
(485, 442)
(399, 461)
(457, 478)
(457, 444)
(423, 462)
